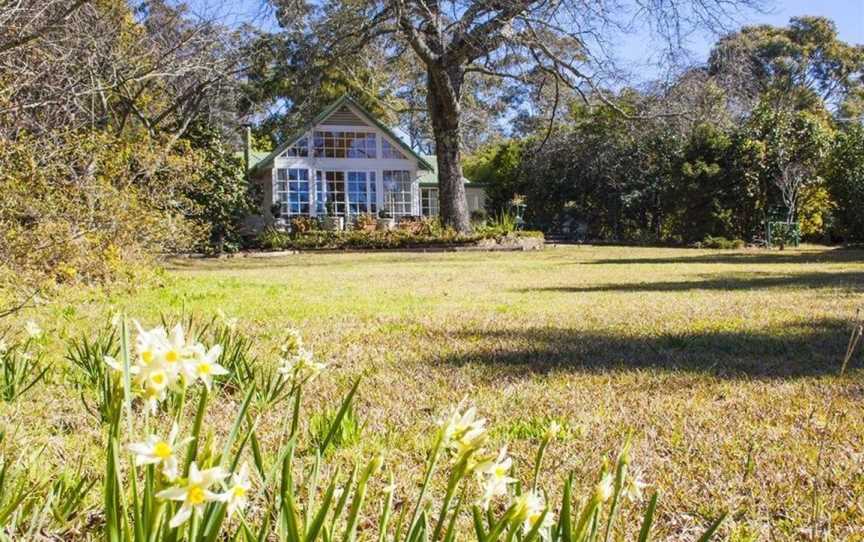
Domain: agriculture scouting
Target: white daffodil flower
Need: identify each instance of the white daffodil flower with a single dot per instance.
(605, 488)
(496, 477)
(204, 366)
(302, 366)
(195, 493)
(149, 344)
(118, 366)
(633, 487)
(175, 349)
(157, 451)
(32, 329)
(292, 345)
(553, 430)
(464, 433)
(529, 508)
(237, 494)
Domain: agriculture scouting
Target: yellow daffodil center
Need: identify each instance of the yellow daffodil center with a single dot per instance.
(239, 491)
(158, 378)
(500, 472)
(162, 450)
(147, 356)
(172, 356)
(196, 495)
(204, 368)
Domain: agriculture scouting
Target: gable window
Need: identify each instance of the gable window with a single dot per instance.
(390, 151)
(299, 149)
(429, 201)
(330, 144)
(292, 191)
(398, 193)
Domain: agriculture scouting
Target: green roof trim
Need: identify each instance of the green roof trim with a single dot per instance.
(430, 179)
(268, 160)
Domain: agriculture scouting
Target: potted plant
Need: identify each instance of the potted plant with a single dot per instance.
(330, 221)
(365, 222)
(386, 222)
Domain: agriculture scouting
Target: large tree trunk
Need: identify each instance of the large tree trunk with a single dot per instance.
(444, 87)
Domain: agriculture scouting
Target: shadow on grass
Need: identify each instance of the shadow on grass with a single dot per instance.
(837, 255)
(852, 281)
(792, 350)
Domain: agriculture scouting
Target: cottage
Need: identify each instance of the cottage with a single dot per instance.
(346, 163)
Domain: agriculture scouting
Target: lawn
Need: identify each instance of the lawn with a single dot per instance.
(721, 365)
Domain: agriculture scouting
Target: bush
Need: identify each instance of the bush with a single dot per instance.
(422, 233)
(721, 243)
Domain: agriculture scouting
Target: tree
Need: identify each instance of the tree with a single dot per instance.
(845, 179)
(455, 41)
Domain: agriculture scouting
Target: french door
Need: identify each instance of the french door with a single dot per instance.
(341, 193)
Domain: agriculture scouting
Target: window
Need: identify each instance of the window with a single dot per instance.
(292, 191)
(389, 151)
(300, 148)
(397, 193)
(330, 192)
(429, 201)
(361, 192)
(345, 144)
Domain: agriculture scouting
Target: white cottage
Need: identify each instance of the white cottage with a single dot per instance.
(345, 163)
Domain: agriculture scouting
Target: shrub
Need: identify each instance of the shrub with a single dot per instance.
(302, 224)
(721, 243)
(365, 222)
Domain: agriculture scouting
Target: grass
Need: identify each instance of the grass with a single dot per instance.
(720, 363)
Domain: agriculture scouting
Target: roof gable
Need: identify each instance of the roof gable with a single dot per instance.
(334, 109)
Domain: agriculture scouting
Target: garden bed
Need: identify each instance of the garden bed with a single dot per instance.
(273, 240)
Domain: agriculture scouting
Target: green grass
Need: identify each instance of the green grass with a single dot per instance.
(720, 363)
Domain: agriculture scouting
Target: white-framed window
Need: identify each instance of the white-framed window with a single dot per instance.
(390, 151)
(330, 192)
(398, 193)
(298, 149)
(331, 144)
(429, 201)
(292, 191)
(361, 192)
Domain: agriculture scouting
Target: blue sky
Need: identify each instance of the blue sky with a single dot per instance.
(636, 51)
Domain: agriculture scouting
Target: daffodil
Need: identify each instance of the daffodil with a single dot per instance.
(155, 450)
(32, 329)
(204, 366)
(302, 367)
(194, 492)
(529, 509)
(605, 488)
(175, 349)
(292, 345)
(464, 433)
(149, 344)
(496, 474)
(553, 430)
(230, 323)
(633, 487)
(237, 494)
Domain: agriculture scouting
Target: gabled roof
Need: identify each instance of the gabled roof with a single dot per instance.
(329, 110)
(430, 178)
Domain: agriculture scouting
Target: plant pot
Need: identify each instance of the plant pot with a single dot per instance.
(385, 224)
(333, 223)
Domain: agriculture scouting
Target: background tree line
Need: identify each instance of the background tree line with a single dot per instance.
(771, 128)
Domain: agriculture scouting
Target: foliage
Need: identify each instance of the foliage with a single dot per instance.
(721, 243)
(404, 237)
(220, 195)
(496, 166)
(845, 180)
(22, 364)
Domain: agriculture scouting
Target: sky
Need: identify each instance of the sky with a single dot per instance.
(636, 53)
